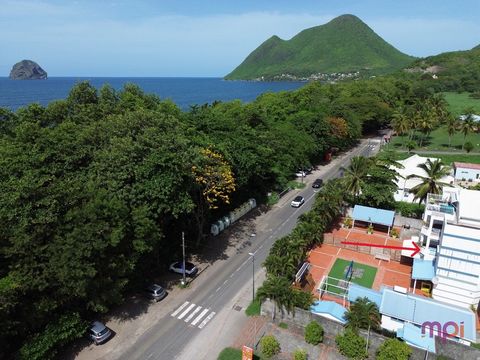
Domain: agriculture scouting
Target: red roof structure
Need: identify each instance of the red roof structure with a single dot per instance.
(466, 165)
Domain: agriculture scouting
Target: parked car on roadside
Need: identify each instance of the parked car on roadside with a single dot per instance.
(190, 269)
(99, 333)
(300, 173)
(318, 183)
(298, 201)
(155, 292)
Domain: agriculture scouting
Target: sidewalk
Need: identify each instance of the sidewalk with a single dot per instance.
(235, 329)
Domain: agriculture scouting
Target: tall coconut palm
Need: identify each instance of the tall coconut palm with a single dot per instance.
(354, 176)
(451, 123)
(363, 314)
(431, 183)
(400, 122)
(467, 125)
(426, 122)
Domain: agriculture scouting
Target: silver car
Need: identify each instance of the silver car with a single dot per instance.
(98, 332)
(156, 292)
(190, 269)
(298, 201)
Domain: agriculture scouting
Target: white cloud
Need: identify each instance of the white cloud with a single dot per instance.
(70, 40)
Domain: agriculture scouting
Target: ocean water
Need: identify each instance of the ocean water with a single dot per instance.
(183, 91)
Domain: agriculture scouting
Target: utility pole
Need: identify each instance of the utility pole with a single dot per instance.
(183, 251)
(253, 275)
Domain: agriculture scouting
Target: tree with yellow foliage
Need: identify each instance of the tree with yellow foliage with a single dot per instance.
(215, 183)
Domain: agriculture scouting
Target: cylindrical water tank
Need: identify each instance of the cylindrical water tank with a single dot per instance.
(220, 225)
(214, 230)
(226, 221)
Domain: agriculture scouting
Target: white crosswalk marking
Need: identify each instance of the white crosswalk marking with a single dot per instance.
(207, 319)
(198, 311)
(180, 309)
(180, 317)
(193, 314)
(199, 317)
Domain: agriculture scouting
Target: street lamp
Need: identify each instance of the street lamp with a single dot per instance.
(253, 297)
(253, 275)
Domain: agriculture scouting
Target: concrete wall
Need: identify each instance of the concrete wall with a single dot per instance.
(302, 317)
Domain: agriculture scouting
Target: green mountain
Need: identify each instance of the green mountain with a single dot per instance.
(455, 70)
(344, 45)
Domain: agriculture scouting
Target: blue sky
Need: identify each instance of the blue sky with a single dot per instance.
(207, 38)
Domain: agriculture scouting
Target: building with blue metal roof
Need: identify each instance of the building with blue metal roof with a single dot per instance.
(373, 216)
(357, 291)
(330, 310)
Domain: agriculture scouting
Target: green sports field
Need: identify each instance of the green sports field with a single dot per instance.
(363, 275)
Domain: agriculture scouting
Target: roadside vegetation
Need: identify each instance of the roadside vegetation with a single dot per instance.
(253, 309)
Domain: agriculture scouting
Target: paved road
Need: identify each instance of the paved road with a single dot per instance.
(196, 310)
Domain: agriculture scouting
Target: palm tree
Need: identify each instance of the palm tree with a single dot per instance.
(451, 124)
(431, 183)
(400, 122)
(355, 175)
(426, 121)
(467, 125)
(278, 289)
(363, 314)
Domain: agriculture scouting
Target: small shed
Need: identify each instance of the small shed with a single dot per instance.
(370, 215)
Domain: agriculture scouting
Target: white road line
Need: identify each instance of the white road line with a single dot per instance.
(207, 319)
(180, 309)
(225, 282)
(218, 289)
(190, 317)
(199, 317)
(185, 312)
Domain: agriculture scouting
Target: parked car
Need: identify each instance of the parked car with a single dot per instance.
(300, 173)
(318, 183)
(155, 292)
(298, 201)
(98, 332)
(190, 269)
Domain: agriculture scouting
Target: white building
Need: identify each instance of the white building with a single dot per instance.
(410, 167)
(466, 172)
(450, 240)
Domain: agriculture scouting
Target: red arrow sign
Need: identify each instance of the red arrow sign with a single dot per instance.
(416, 249)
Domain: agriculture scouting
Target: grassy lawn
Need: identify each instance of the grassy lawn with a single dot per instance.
(438, 140)
(234, 354)
(363, 275)
(446, 158)
(253, 309)
(457, 103)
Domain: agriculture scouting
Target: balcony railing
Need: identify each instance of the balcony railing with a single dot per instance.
(442, 208)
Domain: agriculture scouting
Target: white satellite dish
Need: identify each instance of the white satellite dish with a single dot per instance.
(435, 280)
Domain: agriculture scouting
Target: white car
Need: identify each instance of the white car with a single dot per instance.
(298, 201)
(190, 269)
(301, 173)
